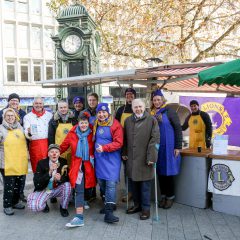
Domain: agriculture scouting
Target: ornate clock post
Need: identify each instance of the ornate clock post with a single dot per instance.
(77, 47)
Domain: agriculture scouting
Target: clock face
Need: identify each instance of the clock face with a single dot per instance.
(71, 44)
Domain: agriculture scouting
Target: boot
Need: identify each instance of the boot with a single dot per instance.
(109, 217)
(162, 203)
(102, 211)
(168, 204)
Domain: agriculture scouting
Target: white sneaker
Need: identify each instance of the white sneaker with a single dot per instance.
(76, 222)
(86, 205)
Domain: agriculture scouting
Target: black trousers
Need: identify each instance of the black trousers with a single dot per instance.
(166, 184)
(11, 189)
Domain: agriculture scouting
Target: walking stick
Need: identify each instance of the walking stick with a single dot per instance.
(156, 218)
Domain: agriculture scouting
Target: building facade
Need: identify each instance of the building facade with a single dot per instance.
(27, 53)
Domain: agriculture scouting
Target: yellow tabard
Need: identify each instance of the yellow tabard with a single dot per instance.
(61, 132)
(197, 132)
(15, 153)
(123, 118)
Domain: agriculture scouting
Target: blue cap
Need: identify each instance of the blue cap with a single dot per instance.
(102, 107)
(158, 92)
(78, 99)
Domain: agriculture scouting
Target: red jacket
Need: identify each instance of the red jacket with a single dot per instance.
(71, 140)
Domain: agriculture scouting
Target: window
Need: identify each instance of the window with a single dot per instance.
(24, 71)
(22, 6)
(9, 5)
(49, 70)
(48, 42)
(23, 36)
(37, 70)
(36, 37)
(9, 35)
(11, 71)
(36, 6)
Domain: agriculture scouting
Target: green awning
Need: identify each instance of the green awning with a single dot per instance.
(226, 74)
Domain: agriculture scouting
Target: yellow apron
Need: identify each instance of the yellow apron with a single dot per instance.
(123, 118)
(197, 132)
(61, 133)
(15, 153)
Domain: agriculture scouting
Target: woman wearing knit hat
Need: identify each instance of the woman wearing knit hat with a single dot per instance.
(80, 141)
(13, 160)
(169, 158)
(108, 136)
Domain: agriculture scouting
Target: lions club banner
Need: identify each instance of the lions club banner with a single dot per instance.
(224, 113)
(224, 177)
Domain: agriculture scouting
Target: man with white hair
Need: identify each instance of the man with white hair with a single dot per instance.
(36, 130)
(140, 150)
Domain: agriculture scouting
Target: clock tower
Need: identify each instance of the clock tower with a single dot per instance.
(77, 48)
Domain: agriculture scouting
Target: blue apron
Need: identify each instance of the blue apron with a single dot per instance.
(167, 163)
(108, 164)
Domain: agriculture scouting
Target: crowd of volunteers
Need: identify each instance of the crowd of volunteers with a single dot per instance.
(73, 152)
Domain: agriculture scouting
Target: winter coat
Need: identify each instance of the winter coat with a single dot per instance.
(140, 139)
(41, 177)
(71, 141)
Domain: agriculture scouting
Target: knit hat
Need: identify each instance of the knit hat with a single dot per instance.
(78, 99)
(13, 95)
(194, 102)
(102, 107)
(52, 146)
(83, 116)
(158, 92)
(130, 90)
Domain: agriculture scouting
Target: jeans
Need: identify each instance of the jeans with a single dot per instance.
(108, 188)
(142, 194)
(79, 194)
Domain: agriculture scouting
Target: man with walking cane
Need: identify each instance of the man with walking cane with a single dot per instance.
(142, 138)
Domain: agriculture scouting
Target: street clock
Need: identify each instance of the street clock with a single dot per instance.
(71, 44)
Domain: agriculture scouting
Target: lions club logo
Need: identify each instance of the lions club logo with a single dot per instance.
(101, 131)
(221, 176)
(65, 131)
(221, 114)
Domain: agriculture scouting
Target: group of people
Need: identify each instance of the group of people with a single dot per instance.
(72, 150)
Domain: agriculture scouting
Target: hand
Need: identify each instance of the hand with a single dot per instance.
(53, 167)
(150, 163)
(92, 161)
(99, 148)
(125, 158)
(176, 152)
(57, 177)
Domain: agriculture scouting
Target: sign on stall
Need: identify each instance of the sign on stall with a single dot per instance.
(224, 177)
(220, 144)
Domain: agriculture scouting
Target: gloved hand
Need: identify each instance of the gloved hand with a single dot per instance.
(92, 161)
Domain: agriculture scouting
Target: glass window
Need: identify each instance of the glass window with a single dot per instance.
(24, 71)
(23, 36)
(49, 72)
(37, 71)
(9, 35)
(11, 71)
(22, 6)
(36, 6)
(36, 37)
(9, 5)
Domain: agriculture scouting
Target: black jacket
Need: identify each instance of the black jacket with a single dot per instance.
(53, 124)
(41, 177)
(208, 124)
(123, 109)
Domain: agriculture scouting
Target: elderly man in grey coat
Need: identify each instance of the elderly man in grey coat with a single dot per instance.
(140, 150)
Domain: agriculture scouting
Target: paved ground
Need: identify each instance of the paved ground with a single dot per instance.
(179, 223)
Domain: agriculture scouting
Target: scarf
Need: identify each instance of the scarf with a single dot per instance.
(157, 112)
(8, 126)
(105, 123)
(82, 145)
(38, 113)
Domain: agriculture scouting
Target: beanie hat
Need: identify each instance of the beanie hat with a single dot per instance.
(78, 99)
(84, 116)
(102, 107)
(158, 92)
(194, 102)
(52, 146)
(13, 95)
(130, 90)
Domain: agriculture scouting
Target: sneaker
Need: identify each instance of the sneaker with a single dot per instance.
(19, 206)
(64, 212)
(23, 198)
(76, 222)
(8, 211)
(86, 205)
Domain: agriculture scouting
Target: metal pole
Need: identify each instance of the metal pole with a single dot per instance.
(156, 218)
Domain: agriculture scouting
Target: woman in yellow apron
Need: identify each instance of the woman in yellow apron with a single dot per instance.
(13, 160)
